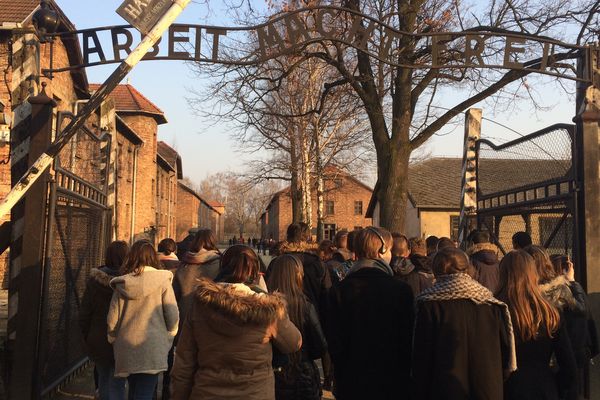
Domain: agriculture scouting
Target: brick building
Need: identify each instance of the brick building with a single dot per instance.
(168, 172)
(346, 199)
(143, 117)
(193, 211)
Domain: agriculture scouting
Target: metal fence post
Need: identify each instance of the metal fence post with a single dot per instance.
(28, 253)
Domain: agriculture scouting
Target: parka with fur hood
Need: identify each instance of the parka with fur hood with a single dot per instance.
(93, 312)
(224, 351)
(142, 321)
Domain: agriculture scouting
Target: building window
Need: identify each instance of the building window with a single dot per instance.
(454, 225)
(338, 183)
(358, 207)
(329, 207)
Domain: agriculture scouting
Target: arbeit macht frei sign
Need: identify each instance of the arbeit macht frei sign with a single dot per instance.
(291, 32)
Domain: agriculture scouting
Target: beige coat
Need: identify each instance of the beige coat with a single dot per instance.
(225, 347)
(142, 321)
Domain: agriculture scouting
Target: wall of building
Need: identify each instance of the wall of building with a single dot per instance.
(166, 202)
(145, 207)
(186, 212)
(342, 191)
(436, 223)
(124, 180)
(412, 224)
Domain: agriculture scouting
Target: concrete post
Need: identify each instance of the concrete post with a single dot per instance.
(468, 200)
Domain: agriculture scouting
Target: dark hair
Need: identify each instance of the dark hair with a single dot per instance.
(418, 246)
(431, 243)
(521, 240)
(115, 254)
(326, 250)
(444, 243)
(203, 239)
(141, 254)
(400, 245)
(368, 242)
(341, 239)
(239, 264)
(480, 237)
(294, 233)
(167, 246)
(351, 238)
(450, 260)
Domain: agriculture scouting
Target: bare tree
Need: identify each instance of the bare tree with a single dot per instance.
(400, 100)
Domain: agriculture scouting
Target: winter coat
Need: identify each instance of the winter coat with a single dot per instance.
(581, 328)
(170, 262)
(339, 265)
(369, 332)
(559, 293)
(419, 278)
(204, 263)
(484, 257)
(302, 379)
(460, 350)
(92, 315)
(225, 348)
(142, 321)
(316, 281)
(534, 378)
(405, 271)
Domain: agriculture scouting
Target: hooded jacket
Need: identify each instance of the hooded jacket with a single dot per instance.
(316, 279)
(142, 321)
(92, 315)
(416, 272)
(224, 351)
(558, 292)
(484, 257)
(194, 266)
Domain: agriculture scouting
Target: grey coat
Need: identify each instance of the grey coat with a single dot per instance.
(142, 321)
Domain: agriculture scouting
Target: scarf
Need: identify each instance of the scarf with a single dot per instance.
(463, 287)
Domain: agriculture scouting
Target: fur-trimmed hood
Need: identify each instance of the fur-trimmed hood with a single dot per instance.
(238, 305)
(558, 292)
(487, 247)
(297, 247)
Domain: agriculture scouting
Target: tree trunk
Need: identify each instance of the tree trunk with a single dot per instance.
(393, 187)
(295, 190)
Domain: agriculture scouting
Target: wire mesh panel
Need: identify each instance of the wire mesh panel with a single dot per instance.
(76, 247)
(529, 185)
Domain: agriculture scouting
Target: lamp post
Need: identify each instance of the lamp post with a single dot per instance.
(45, 21)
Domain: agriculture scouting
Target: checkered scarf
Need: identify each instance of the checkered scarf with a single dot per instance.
(462, 286)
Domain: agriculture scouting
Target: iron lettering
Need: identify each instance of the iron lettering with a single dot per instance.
(143, 14)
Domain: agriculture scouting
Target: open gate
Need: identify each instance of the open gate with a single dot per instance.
(76, 236)
(530, 184)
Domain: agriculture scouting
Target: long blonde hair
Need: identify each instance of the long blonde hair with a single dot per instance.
(519, 288)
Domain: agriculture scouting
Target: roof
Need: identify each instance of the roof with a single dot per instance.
(436, 182)
(128, 100)
(195, 194)
(171, 156)
(20, 12)
(17, 11)
(216, 204)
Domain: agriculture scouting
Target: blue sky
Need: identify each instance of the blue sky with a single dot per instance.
(206, 148)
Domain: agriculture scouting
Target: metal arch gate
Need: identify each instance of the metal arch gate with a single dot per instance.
(76, 236)
(531, 184)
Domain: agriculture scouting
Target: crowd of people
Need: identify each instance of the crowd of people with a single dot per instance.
(389, 317)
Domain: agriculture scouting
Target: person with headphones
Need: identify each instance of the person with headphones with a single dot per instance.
(369, 324)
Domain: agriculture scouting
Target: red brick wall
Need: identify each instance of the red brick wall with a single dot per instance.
(145, 207)
(343, 196)
(166, 201)
(124, 187)
(186, 212)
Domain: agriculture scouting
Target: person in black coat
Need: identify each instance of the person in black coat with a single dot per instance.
(297, 378)
(540, 333)
(484, 257)
(369, 325)
(463, 341)
(92, 321)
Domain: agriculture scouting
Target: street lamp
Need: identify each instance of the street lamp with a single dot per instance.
(45, 20)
